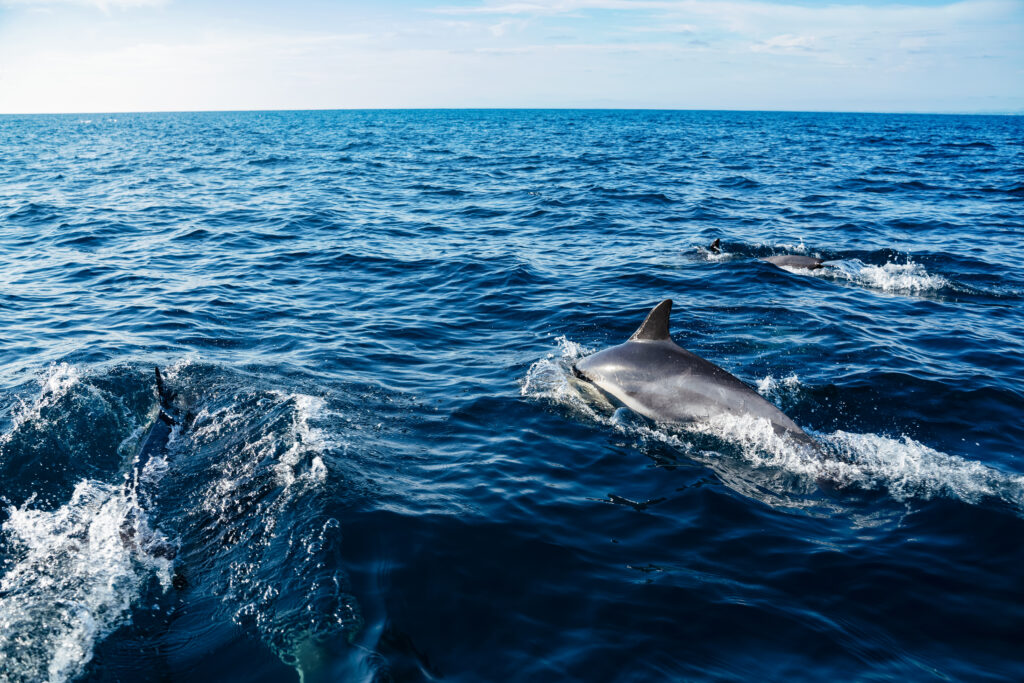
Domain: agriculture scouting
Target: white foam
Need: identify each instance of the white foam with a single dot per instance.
(799, 248)
(715, 256)
(73, 581)
(54, 384)
(783, 389)
(909, 469)
(909, 278)
(307, 443)
(551, 379)
(296, 453)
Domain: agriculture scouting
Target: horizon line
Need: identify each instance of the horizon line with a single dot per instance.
(1019, 112)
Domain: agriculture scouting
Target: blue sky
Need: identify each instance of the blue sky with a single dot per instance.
(158, 55)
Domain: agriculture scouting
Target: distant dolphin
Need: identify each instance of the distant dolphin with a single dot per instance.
(794, 261)
(655, 377)
(783, 260)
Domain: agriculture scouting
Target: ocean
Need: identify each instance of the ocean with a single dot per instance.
(388, 470)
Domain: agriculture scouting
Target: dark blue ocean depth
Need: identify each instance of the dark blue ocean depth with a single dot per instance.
(388, 470)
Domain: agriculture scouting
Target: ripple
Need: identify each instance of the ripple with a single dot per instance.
(369, 319)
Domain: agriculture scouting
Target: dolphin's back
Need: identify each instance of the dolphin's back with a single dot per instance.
(667, 383)
(794, 261)
(159, 434)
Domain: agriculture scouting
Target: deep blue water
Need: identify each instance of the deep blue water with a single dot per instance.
(389, 470)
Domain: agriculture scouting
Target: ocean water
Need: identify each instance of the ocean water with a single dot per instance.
(388, 471)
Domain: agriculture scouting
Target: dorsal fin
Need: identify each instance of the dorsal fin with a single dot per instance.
(655, 327)
(165, 396)
(716, 246)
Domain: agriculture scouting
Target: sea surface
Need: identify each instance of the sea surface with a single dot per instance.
(388, 470)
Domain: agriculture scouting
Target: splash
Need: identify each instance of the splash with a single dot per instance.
(551, 379)
(73, 579)
(547, 378)
(306, 440)
(58, 380)
(784, 390)
(908, 278)
(713, 256)
(799, 248)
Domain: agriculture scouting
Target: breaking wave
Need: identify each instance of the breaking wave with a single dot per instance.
(72, 577)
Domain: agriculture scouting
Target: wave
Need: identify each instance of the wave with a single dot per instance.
(738, 182)
(73, 579)
(750, 457)
(263, 458)
(72, 572)
(879, 186)
(271, 160)
(53, 385)
(249, 492)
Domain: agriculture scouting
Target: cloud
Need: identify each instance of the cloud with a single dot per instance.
(666, 28)
(103, 5)
(539, 7)
(663, 53)
(502, 27)
(786, 44)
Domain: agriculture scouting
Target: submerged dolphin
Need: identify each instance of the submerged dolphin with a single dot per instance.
(795, 261)
(782, 260)
(155, 442)
(655, 377)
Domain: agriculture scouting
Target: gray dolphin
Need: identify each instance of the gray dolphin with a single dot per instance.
(794, 261)
(786, 260)
(655, 377)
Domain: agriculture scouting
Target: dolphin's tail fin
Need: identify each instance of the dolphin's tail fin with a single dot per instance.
(716, 246)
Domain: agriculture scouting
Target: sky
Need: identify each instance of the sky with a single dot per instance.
(186, 55)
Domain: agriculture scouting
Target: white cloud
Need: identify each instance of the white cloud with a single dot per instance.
(665, 28)
(103, 5)
(502, 27)
(786, 44)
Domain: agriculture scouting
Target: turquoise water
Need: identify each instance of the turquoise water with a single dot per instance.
(387, 470)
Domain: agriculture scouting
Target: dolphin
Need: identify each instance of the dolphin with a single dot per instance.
(651, 375)
(155, 444)
(159, 434)
(794, 261)
(782, 260)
